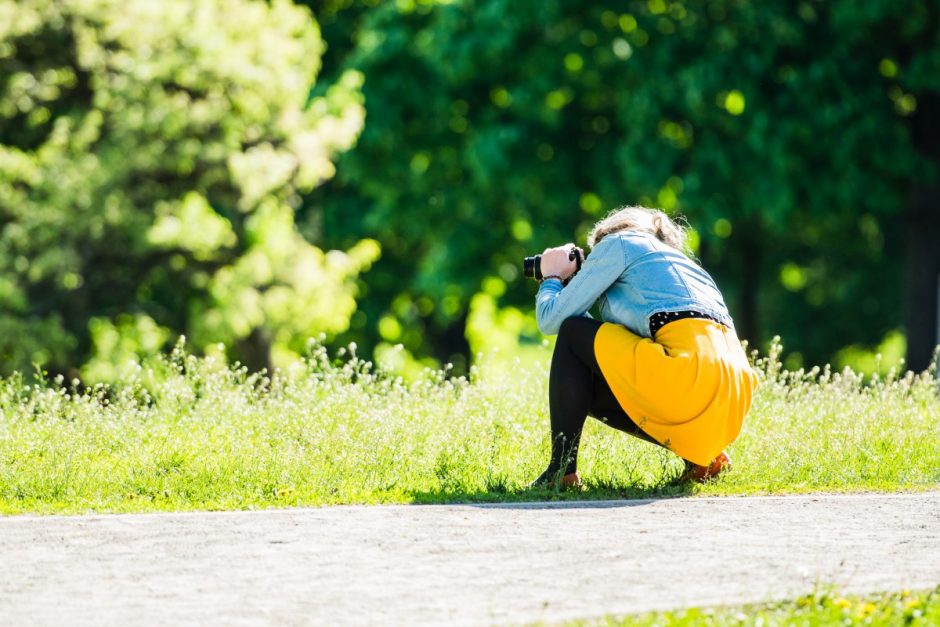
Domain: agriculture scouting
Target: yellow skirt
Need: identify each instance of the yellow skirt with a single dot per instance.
(689, 389)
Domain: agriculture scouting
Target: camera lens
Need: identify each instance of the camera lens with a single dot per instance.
(532, 267)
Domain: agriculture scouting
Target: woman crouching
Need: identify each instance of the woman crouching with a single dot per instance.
(665, 365)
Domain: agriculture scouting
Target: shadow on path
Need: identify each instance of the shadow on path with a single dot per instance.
(593, 497)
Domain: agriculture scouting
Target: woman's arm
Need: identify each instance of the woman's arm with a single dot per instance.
(554, 303)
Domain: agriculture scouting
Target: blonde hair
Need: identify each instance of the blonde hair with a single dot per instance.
(652, 221)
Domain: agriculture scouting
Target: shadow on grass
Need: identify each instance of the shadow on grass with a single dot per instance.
(593, 496)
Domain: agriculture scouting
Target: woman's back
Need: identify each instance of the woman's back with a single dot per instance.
(657, 278)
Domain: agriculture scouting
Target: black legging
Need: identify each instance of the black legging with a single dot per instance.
(576, 389)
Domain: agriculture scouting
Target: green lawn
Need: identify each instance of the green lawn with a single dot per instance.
(819, 608)
(193, 433)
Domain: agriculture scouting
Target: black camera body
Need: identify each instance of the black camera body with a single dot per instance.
(532, 266)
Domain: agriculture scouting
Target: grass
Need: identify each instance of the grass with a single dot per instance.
(819, 608)
(194, 433)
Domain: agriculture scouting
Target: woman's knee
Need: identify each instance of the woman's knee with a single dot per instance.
(566, 329)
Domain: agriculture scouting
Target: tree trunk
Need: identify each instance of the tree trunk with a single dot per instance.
(255, 351)
(749, 247)
(451, 345)
(922, 272)
(921, 298)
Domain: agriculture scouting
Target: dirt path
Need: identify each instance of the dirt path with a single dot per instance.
(458, 564)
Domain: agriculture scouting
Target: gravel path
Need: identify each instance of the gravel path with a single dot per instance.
(462, 564)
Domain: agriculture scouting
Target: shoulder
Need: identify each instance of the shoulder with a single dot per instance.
(608, 249)
(630, 244)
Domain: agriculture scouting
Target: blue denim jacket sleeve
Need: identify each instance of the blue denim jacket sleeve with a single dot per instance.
(554, 302)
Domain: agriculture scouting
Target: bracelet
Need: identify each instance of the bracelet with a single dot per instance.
(550, 276)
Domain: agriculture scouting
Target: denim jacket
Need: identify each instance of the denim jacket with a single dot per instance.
(633, 275)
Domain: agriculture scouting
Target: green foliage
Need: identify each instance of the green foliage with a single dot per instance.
(186, 432)
(496, 128)
(160, 164)
(888, 354)
(118, 345)
(151, 155)
(822, 607)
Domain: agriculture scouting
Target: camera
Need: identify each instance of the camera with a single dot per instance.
(532, 266)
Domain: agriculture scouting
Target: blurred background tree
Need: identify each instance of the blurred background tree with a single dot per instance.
(159, 165)
(800, 139)
(151, 156)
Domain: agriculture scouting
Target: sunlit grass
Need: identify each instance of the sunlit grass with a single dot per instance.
(823, 607)
(194, 433)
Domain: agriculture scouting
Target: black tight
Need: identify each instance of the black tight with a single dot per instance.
(576, 389)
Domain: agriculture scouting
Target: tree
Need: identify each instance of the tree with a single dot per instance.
(151, 157)
(790, 134)
(909, 33)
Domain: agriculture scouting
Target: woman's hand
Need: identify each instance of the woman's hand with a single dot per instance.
(555, 261)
